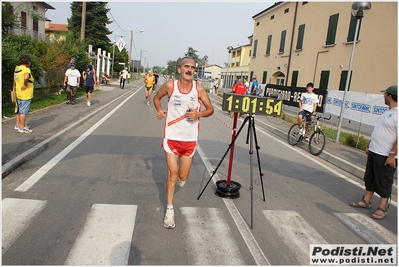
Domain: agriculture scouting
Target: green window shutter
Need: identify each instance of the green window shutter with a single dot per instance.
(294, 79)
(352, 28)
(342, 82)
(325, 76)
(264, 77)
(332, 29)
(282, 41)
(301, 32)
(255, 47)
(269, 44)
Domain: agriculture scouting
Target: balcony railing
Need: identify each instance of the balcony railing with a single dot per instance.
(26, 31)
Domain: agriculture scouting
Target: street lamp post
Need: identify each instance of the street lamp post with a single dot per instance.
(131, 44)
(203, 67)
(358, 10)
(229, 48)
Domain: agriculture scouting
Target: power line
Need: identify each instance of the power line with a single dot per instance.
(114, 20)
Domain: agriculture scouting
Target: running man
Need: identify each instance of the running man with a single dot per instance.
(181, 128)
(149, 81)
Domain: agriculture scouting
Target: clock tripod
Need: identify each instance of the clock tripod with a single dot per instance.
(228, 188)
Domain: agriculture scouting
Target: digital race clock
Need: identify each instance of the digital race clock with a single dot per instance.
(251, 104)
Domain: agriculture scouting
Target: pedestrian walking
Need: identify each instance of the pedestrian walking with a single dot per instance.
(382, 157)
(181, 127)
(24, 87)
(129, 76)
(90, 78)
(71, 82)
(122, 78)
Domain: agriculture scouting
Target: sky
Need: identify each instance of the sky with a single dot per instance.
(170, 28)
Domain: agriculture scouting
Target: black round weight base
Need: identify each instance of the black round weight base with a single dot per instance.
(227, 191)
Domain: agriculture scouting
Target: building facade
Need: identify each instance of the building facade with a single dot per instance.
(31, 15)
(238, 65)
(294, 43)
(55, 31)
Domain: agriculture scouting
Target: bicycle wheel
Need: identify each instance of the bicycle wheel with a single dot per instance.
(293, 135)
(317, 143)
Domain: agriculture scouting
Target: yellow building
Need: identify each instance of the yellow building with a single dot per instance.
(294, 43)
(238, 65)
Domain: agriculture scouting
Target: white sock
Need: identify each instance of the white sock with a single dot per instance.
(169, 207)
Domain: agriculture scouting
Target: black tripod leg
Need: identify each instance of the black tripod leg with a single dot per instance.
(227, 151)
(257, 154)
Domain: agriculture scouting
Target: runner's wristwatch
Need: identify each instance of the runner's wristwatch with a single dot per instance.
(392, 153)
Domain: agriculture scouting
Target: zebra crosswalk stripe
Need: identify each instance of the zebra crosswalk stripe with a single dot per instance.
(369, 230)
(217, 246)
(17, 215)
(106, 236)
(295, 232)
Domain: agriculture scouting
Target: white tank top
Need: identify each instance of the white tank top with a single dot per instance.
(177, 125)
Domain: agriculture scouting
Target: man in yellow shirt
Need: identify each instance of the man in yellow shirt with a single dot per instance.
(149, 81)
(24, 91)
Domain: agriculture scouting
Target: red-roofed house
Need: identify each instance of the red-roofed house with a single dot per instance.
(55, 31)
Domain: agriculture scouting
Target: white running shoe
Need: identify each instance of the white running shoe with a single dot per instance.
(16, 127)
(148, 103)
(25, 130)
(169, 220)
(300, 131)
(180, 183)
(88, 103)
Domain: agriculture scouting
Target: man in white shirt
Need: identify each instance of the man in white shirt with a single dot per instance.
(123, 76)
(72, 81)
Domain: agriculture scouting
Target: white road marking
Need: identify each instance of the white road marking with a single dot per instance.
(209, 238)
(296, 233)
(367, 228)
(242, 226)
(106, 236)
(17, 215)
(34, 178)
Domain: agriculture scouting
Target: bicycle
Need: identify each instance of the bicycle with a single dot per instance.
(317, 140)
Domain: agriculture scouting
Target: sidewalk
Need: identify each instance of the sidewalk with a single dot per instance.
(51, 123)
(350, 159)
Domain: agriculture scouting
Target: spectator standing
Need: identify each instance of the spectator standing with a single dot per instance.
(72, 81)
(246, 83)
(254, 86)
(24, 86)
(90, 78)
(239, 89)
(181, 127)
(382, 157)
(216, 86)
(72, 60)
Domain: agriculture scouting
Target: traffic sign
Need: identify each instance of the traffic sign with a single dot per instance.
(120, 44)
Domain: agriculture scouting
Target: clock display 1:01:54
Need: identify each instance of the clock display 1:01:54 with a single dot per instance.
(252, 104)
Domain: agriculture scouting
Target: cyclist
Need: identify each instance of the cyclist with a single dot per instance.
(307, 106)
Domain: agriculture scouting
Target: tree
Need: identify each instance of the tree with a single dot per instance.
(192, 53)
(96, 30)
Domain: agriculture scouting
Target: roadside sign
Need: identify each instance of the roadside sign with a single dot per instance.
(120, 44)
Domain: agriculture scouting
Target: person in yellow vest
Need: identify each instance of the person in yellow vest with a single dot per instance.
(149, 81)
(24, 91)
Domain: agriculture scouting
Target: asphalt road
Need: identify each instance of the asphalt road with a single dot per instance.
(97, 197)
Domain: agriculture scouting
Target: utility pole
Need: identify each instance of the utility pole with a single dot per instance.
(83, 24)
(130, 57)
